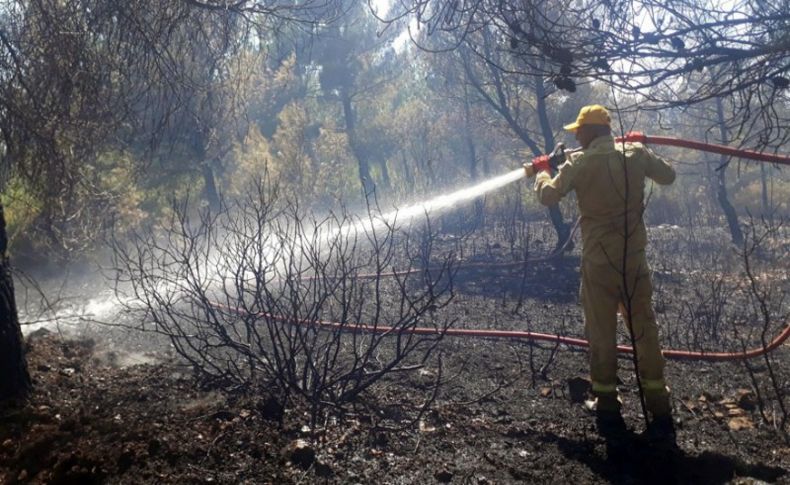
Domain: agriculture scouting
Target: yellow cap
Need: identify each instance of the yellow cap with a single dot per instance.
(594, 114)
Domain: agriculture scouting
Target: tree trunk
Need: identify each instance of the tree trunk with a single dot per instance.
(470, 143)
(201, 145)
(543, 115)
(486, 165)
(560, 226)
(499, 102)
(14, 377)
(721, 184)
(407, 173)
(471, 153)
(210, 186)
(364, 167)
(386, 183)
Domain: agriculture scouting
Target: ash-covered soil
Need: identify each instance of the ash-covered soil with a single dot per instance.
(506, 412)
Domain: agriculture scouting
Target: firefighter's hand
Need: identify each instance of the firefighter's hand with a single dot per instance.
(557, 156)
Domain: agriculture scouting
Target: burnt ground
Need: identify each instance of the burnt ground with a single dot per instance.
(506, 412)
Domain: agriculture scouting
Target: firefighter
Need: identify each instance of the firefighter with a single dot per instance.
(609, 179)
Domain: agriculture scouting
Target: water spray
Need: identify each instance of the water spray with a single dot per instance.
(434, 206)
(445, 202)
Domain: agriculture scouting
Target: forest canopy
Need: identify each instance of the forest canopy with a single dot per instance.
(108, 110)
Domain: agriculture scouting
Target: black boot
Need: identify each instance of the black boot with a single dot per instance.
(662, 430)
(610, 424)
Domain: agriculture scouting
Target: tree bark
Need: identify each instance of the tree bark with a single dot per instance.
(562, 228)
(210, 186)
(407, 172)
(364, 167)
(386, 183)
(500, 103)
(721, 184)
(14, 377)
(470, 143)
(471, 152)
(766, 207)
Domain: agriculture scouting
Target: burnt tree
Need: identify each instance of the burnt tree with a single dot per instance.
(15, 380)
(721, 183)
(643, 48)
(505, 97)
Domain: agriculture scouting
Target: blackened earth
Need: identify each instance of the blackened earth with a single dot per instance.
(507, 412)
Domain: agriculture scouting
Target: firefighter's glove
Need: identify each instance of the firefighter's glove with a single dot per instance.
(557, 156)
(551, 161)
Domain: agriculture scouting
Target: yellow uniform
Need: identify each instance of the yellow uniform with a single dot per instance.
(609, 180)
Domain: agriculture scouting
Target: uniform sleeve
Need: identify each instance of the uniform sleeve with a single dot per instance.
(658, 169)
(551, 190)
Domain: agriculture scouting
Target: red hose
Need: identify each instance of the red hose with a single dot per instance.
(637, 136)
(519, 335)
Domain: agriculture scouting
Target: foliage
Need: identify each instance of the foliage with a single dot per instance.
(21, 209)
(291, 161)
(112, 125)
(248, 160)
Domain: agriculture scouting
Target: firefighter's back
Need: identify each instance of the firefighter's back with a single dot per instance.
(610, 189)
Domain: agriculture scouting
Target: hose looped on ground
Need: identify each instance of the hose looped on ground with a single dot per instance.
(516, 335)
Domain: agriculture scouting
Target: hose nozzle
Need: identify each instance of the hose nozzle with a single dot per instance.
(548, 162)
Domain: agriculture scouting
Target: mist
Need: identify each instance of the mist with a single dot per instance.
(288, 241)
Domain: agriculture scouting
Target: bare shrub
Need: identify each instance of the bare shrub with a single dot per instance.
(259, 295)
(765, 313)
(695, 289)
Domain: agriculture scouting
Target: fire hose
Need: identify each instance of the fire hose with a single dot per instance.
(677, 354)
(513, 335)
(636, 136)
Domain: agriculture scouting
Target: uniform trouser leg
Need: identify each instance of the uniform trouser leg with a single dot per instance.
(642, 321)
(600, 302)
(602, 295)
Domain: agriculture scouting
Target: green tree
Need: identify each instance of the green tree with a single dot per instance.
(520, 101)
(355, 62)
